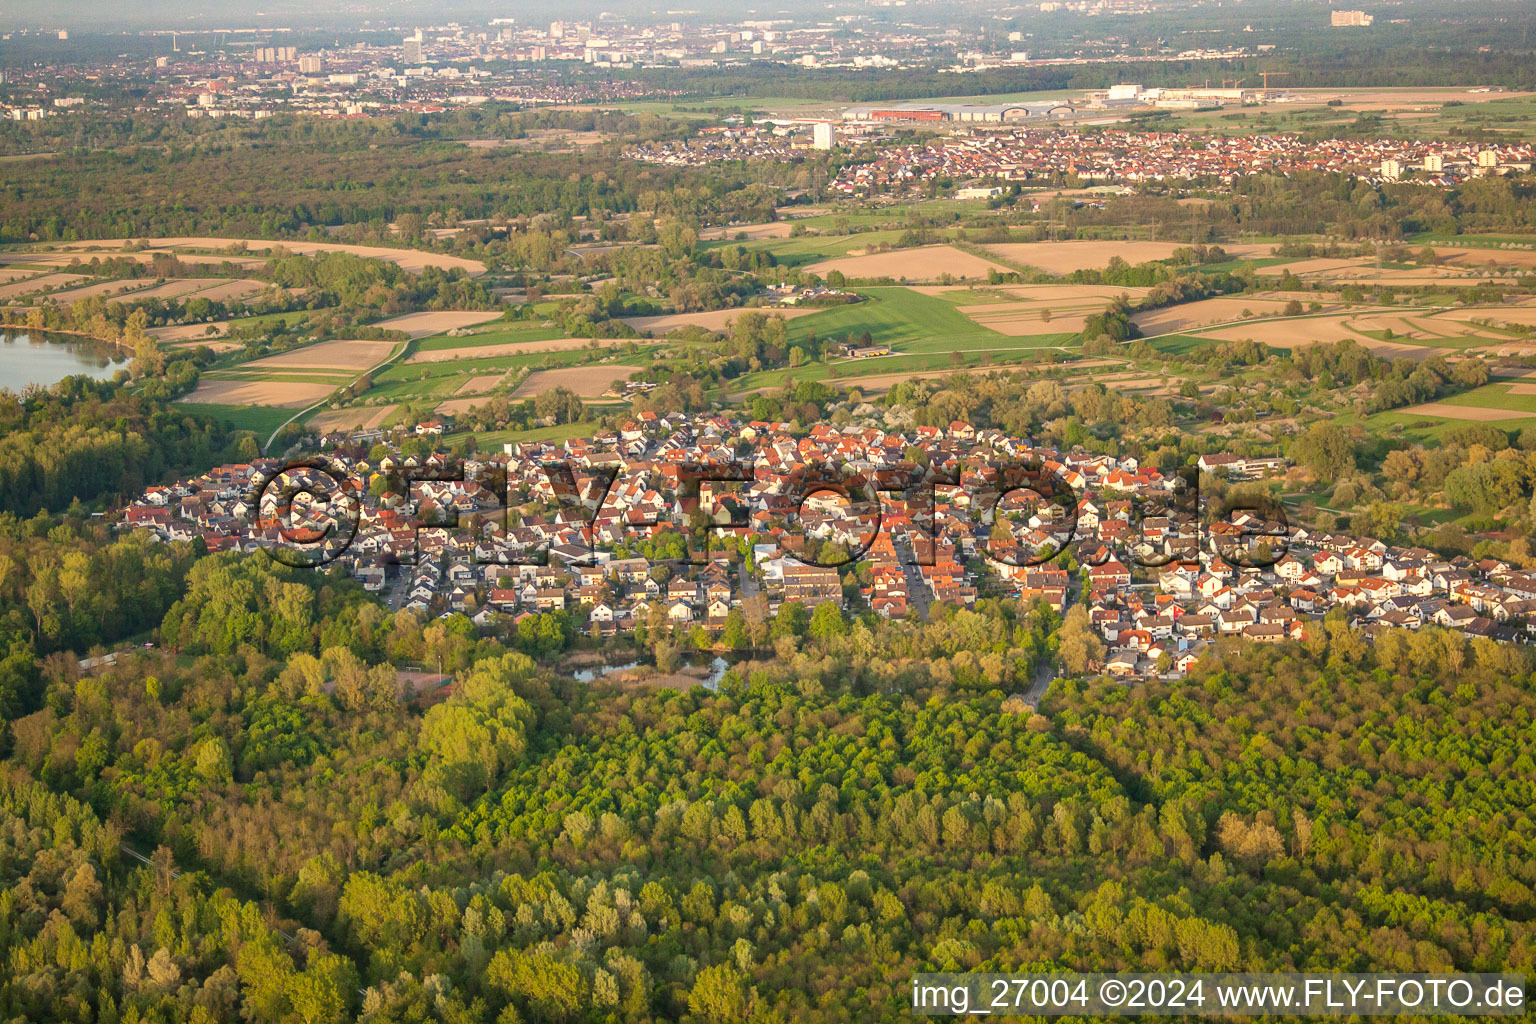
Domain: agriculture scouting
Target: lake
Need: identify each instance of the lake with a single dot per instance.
(45, 359)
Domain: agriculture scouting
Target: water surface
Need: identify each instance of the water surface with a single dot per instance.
(30, 357)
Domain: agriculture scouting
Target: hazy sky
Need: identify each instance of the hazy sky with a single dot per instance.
(115, 15)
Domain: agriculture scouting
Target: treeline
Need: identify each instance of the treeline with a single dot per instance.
(285, 186)
(85, 441)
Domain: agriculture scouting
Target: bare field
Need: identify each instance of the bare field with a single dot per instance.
(1289, 333)
(1415, 326)
(1189, 315)
(341, 355)
(924, 263)
(1316, 265)
(1515, 349)
(425, 325)
(237, 291)
(87, 251)
(585, 381)
(187, 332)
(9, 274)
(1314, 330)
(711, 320)
(173, 289)
(1023, 320)
(1497, 314)
(769, 229)
(1363, 270)
(511, 348)
(104, 289)
(1460, 257)
(1415, 279)
(1089, 254)
(1465, 412)
(277, 394)
(408, 259)
(480, 384)
(456, 406)
(17, 289)
(362, 418)
(1085, 294)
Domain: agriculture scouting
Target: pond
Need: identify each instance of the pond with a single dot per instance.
(29, 357)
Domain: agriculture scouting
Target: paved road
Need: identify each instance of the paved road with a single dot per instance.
(918, 594)
(1045, 674)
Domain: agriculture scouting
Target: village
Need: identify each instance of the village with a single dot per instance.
(612, 557)
(1119, 156)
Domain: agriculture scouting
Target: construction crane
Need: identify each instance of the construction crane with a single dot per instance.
(1266, 75)
(1232, 83)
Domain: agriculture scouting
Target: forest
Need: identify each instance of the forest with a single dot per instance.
(867, 802)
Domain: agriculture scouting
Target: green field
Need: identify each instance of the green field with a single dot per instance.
(814, 248)
(495, 334)
(259, 418)
(925, 331)
(494, 439)
(409, 382)
(1495, 396)
(905, 320)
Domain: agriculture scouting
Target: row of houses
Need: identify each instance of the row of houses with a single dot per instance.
(600, 540)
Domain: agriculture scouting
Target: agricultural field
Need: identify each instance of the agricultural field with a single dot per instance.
(923, 263)
(179, 334)
(479, 351)
(414, 260)
(340, 355)
(275, 394)
(1091, 254)
(747, 232)
(481, 384)
(926, 332)
(350, 418)
(1387, 331)
(133, 288)
(1490, 403)
(39, 285)
(426, 325)
(712, 320)
(263, 420)
(493, 334)
(1190, 315)
(1033, 310)
(584, 381)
